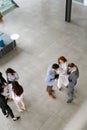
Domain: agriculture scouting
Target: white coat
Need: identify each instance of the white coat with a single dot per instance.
(63, 77)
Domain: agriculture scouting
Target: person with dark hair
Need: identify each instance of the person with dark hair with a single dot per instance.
(6, 110)
(50, 78)
(17, 96)
(11, 76)
(62, 71)
(73, 72)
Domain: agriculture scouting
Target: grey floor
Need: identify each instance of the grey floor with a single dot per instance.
(44, 36)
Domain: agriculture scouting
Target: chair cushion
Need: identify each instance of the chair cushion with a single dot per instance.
(2, 43)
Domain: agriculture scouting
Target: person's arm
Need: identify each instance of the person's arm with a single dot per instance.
(3, 80)
(68, 71)
(72, 80)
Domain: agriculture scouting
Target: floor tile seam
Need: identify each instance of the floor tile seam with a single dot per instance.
(48, 120)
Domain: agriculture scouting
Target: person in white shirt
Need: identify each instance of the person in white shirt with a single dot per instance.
(62, 71)
(17, 96)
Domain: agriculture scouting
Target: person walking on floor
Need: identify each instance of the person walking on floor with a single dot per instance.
(17, 96)
(6, 110)
(62, 71)
(2, 80)
(73, 72)
(50, 78)
(4, 84)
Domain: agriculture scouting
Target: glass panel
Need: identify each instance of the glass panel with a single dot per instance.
(5, 5)
(84, 2)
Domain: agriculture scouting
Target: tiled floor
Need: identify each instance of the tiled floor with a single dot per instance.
(44, 36)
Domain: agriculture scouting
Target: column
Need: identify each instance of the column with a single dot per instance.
(68, 10)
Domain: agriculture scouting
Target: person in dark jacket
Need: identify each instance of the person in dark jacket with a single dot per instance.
(6, 110)
(73, 76)
(2, 80)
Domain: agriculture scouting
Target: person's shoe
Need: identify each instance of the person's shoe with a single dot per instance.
(67, 86)
(16, 118)
(60, 89)
(69, 101)
(53, 90)
(52, 96)
(24, 109)
(7, 115)
(20, 110)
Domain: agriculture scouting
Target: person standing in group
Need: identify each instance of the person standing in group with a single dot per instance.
(11, 75)
(6, 110)
(3, 82)
(73, 72)
(50, 78)
(62, 71)
(17, 96)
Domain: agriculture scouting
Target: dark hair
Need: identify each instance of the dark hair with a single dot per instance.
(17, 88)
(10, 70)
(71, 65)
(55, 66)
(62, 58)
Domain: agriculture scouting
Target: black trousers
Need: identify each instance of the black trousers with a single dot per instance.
(49, 90)
(6, 109)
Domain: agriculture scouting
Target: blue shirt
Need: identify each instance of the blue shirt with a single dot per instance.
(50, 76)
